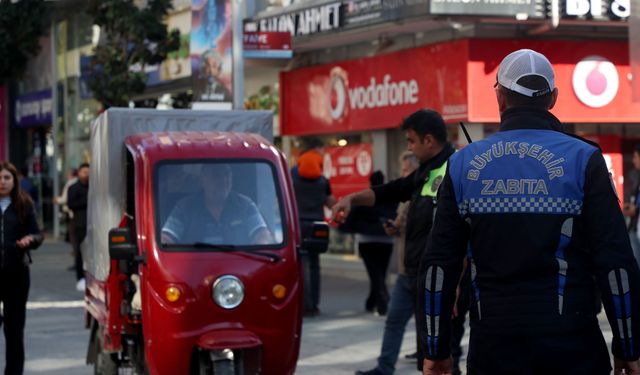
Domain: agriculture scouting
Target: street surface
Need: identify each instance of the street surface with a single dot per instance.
(342, 339)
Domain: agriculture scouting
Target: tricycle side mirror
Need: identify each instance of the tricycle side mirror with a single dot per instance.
(316, 238)
(121, 246)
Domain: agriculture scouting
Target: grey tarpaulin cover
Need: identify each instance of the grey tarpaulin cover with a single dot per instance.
(107, 180)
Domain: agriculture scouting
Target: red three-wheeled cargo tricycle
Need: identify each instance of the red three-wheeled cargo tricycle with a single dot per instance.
(192, 245)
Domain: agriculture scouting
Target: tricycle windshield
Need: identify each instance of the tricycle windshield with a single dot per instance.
(210, 204)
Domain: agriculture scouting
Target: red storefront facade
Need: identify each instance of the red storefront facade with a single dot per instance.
(456, 78)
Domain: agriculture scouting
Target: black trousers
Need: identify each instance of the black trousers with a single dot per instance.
(77, 235)
(578, 353)
(376, 260)
(14, 290)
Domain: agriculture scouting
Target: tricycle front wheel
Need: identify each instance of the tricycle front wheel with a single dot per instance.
(106, 363)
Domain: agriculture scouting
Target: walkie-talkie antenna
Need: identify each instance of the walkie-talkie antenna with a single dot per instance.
(466, 133)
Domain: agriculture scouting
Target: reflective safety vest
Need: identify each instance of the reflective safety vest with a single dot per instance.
(432, 183)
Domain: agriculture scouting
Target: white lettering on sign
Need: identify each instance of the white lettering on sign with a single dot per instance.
(345, 170)
(345, 160)
(497, 150)
(36, 108)
(620, 8)
(386, 93)
(305, 22)
(256, 38)
(514, 187)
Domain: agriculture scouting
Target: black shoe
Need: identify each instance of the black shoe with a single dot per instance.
(382, 311)
(375, 371)
(369, 304)
(411, 356)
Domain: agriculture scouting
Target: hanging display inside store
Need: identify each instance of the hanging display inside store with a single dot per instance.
(211, 60)
(348, 168)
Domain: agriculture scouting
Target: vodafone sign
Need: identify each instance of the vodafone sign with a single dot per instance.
(592, 77)
(374, 93)
(595, 81)
(456, 79)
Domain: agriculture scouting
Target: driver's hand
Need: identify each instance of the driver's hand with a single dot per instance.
(340, 210)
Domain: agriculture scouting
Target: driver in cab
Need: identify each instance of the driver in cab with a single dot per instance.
(216, 215)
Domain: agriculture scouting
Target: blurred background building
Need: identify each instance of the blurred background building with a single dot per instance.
(356, 68)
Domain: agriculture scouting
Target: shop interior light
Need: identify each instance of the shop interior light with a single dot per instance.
(342, 142)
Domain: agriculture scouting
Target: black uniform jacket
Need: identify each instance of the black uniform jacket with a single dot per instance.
(420, 215)
(536, 214)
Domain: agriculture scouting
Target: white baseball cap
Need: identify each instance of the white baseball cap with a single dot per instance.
(522, 63)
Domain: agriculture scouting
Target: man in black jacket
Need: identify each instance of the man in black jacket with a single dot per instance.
(77, 202)
(534, 211)
(427, 139)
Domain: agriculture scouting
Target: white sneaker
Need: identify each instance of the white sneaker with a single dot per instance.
(80, 285)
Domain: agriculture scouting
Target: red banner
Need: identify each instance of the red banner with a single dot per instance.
(376, 92)
(592, 77)
(348, 168)
(266, 40)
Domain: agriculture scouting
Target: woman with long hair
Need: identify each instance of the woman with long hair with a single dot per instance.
(19, 233)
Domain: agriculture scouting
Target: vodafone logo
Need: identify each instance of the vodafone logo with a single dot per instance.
(364, 163)
(338, 93)
(381, 92)
(595, 81)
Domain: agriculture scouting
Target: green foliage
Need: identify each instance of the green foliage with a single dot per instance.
(131, 37)
(266, 98)
(22, 24)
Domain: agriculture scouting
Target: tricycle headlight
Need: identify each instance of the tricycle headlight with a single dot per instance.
(228, 292)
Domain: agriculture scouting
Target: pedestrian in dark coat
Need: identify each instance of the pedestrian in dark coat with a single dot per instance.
(19, 234)
(374, 246)
(77, 202)
(313, 193)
